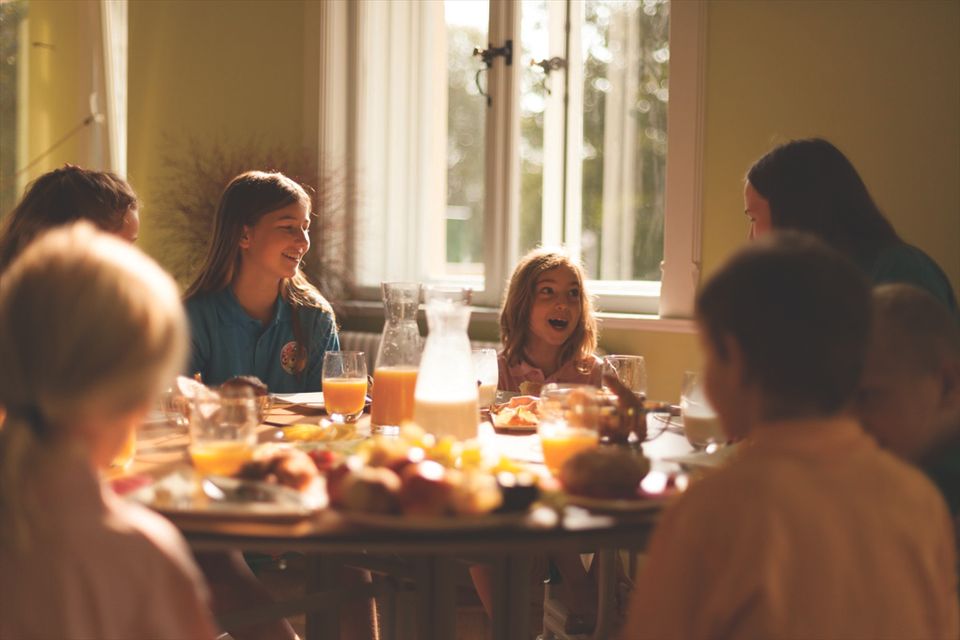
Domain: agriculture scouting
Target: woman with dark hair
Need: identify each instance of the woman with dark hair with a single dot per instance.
(809, 185)
(65, 195)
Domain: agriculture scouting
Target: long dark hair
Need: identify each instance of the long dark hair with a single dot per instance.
(247, 198)
(65, 195)
(811, 186)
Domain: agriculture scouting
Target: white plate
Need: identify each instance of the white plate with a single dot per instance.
(340, 446)
(704, 460)
(179, 494)
(439, 523)
(312, 399)
(617, 505)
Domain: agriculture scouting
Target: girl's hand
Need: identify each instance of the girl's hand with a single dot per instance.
(630, 410)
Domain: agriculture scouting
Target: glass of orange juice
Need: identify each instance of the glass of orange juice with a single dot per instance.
(393, 389)
(127, 452)
(223, 432)
(569, 416)
(344, 384)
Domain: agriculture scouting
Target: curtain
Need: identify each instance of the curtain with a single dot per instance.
(113, 21)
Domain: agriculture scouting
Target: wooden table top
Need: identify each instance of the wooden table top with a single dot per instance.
(162, 448)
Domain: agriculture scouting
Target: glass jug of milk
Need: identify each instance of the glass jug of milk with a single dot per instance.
(445, 400)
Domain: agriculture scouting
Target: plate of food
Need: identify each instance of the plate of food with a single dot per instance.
(323, 435)
(616, 479)
(185, 494)
(617, 505)
(519, 413)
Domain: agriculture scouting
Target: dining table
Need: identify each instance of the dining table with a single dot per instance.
(421, 563)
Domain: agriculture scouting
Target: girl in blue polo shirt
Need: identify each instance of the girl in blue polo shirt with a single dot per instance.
(252, 310)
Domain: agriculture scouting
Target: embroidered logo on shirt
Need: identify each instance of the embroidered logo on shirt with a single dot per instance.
(288, 357)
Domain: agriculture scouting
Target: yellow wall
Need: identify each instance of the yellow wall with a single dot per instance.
(219, 72)
(880, 79)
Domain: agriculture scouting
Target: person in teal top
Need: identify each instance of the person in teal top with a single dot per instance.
(227, 342)
(909, 396)
(252, 310)
(809, 185)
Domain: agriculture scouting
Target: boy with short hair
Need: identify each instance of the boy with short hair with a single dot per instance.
(812, 530)
(910, 389)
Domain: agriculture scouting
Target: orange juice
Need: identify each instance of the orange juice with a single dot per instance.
(126, 454)
(344, 395)
(393, 389)
(561, 444)
(219, 458)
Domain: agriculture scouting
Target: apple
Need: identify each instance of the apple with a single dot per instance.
(426, 490)
(370, 490)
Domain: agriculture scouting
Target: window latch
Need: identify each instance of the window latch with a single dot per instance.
(491, 52)
(548, 66)
(487, 55)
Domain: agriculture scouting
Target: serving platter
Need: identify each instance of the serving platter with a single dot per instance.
(183, 494)
(650, 503)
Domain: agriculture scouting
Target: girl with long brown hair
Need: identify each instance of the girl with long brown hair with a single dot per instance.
(252, 310)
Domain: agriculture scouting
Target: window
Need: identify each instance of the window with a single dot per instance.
(53, 110)
(462, 167)
(13, 38)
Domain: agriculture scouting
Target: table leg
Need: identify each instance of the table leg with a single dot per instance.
(511, 597)
(322, 575)
(607, 593)
(437, 598)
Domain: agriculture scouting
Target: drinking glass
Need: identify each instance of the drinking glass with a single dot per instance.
(569, 415)
(223, 431)
(630, 370)
(344, 384)
(487, 372)
(175, 408)
(127, 452)
(701, 424)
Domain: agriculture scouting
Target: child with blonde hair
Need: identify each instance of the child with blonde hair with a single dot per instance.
(547, 325)
(90, 332)
(252, 310)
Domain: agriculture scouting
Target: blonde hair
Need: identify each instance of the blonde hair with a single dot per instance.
(248, 198)
(89, 326)
(515, 314)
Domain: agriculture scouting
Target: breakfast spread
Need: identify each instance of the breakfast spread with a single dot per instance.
(423, 476)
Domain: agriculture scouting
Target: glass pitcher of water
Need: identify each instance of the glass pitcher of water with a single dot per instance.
(398, 358)
(446, 394)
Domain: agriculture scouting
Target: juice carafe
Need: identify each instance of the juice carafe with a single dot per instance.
(398, 358)
(446, 395)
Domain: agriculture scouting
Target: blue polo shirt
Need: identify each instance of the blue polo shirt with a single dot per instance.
(226, 342)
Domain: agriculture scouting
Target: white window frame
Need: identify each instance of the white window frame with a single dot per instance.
(651, 305)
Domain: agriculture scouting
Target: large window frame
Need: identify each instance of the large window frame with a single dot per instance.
(665, 304)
